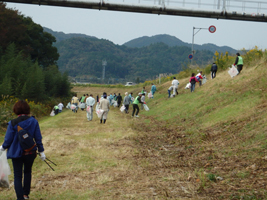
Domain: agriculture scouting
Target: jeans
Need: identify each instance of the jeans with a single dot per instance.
(76, 104)
(192, 87)
(152, 92)
(169, 92)
(18, 163)
(135, 106)
(90, 115)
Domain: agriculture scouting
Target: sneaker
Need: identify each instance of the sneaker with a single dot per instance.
(26, 197)
(136, 116)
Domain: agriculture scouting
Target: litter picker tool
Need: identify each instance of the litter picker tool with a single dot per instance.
(48, 163)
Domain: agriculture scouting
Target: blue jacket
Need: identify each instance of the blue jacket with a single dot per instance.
(153, 88)
(11, 138)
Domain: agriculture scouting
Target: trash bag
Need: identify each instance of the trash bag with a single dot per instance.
(99, 113)
(232, 71)
(150, 95)
(88, 109)
(68, 106)
(4, 171)
(188, 86)
(122, 108)
(97, 106)
(52, 113)
(72, 107)
(146, 107)
(115, 104)
(82, 105)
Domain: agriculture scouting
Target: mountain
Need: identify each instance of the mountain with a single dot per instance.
(63, 36)
(81, 56)
(173, 41)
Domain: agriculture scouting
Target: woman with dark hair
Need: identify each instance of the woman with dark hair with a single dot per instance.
(193, 81)
(22, 160)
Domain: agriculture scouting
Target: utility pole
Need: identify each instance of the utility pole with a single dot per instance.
(104, 63)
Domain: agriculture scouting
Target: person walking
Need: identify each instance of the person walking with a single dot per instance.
(153, 90)
(60, 107)
(104, 105)
(126, 102)
(239, 62)
(199, 77)
(213, 70)
(22, 160)
(119, 99)
(90, 101)
(75, 101)
(135, 105)
(193, 81)
(175, 84)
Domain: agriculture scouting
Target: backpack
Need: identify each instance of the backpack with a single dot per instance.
(26, 141)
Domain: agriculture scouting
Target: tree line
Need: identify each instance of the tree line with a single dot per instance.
(28, 59)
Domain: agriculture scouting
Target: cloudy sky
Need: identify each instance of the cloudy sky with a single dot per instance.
(120, 27)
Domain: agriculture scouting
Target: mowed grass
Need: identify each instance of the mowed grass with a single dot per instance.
(85, 154)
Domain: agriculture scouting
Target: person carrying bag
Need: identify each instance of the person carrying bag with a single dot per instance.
(23, 138)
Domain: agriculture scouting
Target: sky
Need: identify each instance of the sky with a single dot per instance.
(121, 27)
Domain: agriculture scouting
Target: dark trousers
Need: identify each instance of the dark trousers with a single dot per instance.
(56, 111)
(213, 74)
(239, 68)
(126, 108)
(18, 163)
(119, 103)
(135, 106)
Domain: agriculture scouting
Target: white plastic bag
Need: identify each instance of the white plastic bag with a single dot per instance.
(4, 171)
(122, 108)
(97, 106)
(82, 105)
(150, 95)
(88, 109)
(146, 107)
(115, 104)
(52, 113)
(72, 107)
(233, 71)
(188, 86)
(99, 113)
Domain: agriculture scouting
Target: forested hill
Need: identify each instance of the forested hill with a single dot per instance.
(63, 36)
(173, 41)
(82, 57)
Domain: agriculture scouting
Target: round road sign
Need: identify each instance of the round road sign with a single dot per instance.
(190, 56)
(212, 29)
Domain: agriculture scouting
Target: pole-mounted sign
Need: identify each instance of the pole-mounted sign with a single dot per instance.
(212, 29)
(190, 56)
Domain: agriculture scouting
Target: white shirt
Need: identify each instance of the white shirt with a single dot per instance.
(175, 83)
(90, 101)
(60, 106)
